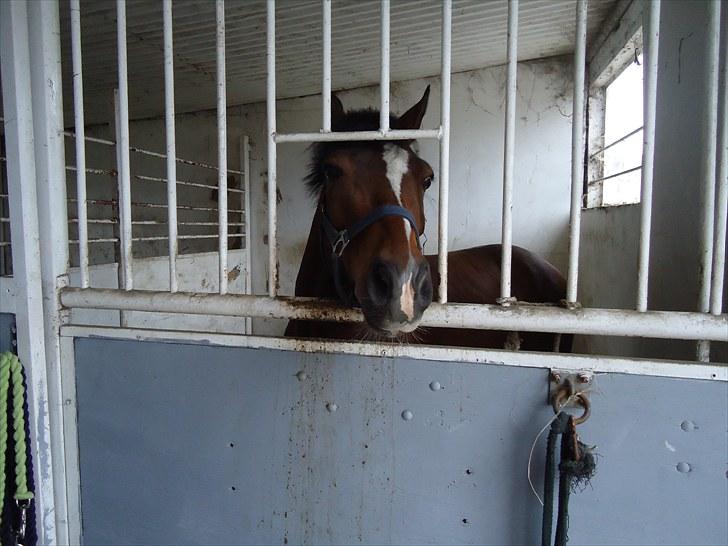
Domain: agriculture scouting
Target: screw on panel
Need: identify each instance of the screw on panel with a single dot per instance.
(435, 386)
(684, 467)
(584, 377)
(301, 375)
(688, 426)
(407, 415)
(332, 407)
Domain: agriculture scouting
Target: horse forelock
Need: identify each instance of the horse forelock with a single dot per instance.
(353, 120)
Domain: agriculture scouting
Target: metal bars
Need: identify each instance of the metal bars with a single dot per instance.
(509, 152)
(384, 73)
(651, 16)
(577, 152)
(708, 160)
(171, 145)
(123, 150)
(721, 212)
(444, 193)
(221, 146)
(326, 72)
(80, 141)
(271, 120)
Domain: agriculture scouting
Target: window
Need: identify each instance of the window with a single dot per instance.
(615, 133)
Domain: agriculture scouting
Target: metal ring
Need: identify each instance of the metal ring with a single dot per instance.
(560, 398)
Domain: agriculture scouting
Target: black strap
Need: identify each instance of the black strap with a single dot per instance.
(340, 239)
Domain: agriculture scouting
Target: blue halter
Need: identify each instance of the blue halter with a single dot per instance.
(340, 239)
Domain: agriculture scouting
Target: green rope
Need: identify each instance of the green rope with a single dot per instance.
(11, 370)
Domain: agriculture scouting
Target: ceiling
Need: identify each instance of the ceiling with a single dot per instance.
(546, 28)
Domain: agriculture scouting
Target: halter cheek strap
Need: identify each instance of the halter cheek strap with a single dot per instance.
(340, 239)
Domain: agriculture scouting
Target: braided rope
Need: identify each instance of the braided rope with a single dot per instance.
(11, 370)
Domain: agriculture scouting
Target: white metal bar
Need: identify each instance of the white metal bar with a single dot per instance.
(326, 84)
(110, 202)
(123, 128)
(444, 190)
(271, 122)
(21, 174)
(222, 148)
(384, 68)
(171, 144)
(360, 136)
(509, 153)
(246, 206)
(708, 164)
(452, 355)
(651, 33)
(522, 318)
(80, 140)
(577, 151)
(721, 206)
(158, 238)
(45, 71)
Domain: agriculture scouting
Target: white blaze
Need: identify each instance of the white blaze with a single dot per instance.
(397, 161)
(407, 299)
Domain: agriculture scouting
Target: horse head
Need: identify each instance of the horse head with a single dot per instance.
(371, 212)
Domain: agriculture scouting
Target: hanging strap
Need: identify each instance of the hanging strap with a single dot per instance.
(11, 372)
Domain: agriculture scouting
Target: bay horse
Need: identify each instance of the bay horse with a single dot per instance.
(364, 247)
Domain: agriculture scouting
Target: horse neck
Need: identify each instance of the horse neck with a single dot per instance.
(315, 276)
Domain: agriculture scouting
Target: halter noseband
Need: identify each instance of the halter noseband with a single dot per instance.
(340, 239)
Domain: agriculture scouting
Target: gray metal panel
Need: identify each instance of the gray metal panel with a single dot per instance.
(7, 323)
(167, 431)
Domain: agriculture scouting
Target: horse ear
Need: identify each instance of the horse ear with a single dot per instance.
(412, 118)
(337, 110)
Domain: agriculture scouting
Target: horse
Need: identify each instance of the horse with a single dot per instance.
(364, 250)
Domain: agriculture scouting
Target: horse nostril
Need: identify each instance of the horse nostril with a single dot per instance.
(380, 283)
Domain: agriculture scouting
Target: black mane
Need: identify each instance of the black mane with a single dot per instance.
(353, 120)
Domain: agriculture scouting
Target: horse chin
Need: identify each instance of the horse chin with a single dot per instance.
(394, 330)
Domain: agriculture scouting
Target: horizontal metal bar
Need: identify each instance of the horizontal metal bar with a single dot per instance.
(622, 139)
(159, 238)
(358, 136)
(112, 202)
(142, 151)
(450, 355)
(146, 178)
(616, 174)
(149, 222)
(521, 318)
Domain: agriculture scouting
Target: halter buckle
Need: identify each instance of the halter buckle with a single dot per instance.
(24, 506)
(340, 244)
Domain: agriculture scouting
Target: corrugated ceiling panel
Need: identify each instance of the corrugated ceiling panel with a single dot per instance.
(479, 33)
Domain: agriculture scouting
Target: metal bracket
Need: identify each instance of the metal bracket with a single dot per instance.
(581, 381)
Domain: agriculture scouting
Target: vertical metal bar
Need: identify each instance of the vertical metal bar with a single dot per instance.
(326, 84)
(120, 273)
(70, 430)
(171, 144)
(271, 118)
(246, 220)
(721, 212)
(577, 151)
(23, 202)
(222, 201)
(444, 194)
(709, 152)
(509, 152)
(384, 74)
(651, 25)
(80, 142)
(45, 71)
(123, 143)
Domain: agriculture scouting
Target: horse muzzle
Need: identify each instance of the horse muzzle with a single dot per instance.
(396, 297)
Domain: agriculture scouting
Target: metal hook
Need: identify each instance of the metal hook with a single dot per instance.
(561, 396)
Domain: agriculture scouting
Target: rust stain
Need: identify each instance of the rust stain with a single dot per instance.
(234, 273)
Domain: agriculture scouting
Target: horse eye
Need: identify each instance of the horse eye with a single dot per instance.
(427, 182)
(331, 172)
